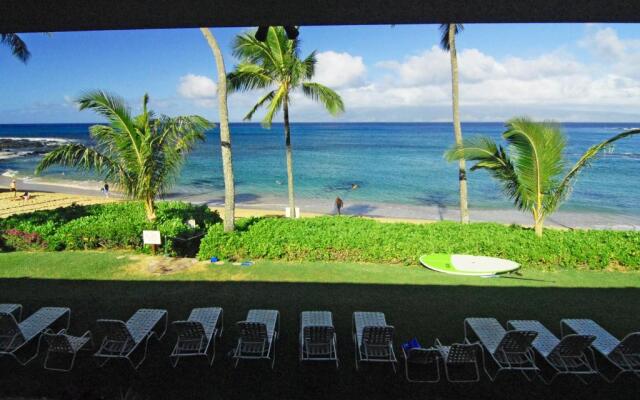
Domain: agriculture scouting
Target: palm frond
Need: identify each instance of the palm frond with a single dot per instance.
(17, 46)
(537, 154)
(331, 100)
(263, 100)
(248, 77)
(309, 65)
(445, 44)
(492, 158)
(275, 105)
(79, 156)
(564, 187)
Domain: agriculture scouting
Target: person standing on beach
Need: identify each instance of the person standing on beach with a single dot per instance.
(12, 188)
(105, 189)
(339, 204)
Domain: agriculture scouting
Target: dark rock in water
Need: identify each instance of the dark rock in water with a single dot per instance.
(27, 147)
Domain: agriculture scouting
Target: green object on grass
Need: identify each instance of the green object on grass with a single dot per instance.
(458, 264)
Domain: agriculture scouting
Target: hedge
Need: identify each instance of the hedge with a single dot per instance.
(106, 226)
(361, 239)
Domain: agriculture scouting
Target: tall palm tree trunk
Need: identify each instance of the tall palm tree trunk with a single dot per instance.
(457, 129)
(225, 135)
(287, 142)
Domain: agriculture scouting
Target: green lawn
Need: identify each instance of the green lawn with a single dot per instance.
(416, 301)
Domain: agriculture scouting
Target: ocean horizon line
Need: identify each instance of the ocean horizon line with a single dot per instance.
(246, 123)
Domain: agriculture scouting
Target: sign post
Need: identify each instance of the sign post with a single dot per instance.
(153, 238)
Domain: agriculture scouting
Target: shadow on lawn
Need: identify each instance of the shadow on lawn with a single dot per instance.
(426, 312)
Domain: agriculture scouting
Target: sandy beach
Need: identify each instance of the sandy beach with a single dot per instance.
(49, 196)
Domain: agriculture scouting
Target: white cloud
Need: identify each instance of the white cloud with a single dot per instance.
(544, 85)
(605, 43)
(554, 84)
(339, 70)
(201, 89)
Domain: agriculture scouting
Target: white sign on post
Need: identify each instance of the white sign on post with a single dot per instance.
(151, 237)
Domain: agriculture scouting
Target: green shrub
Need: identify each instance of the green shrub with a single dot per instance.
(366, 240)
(113, 226)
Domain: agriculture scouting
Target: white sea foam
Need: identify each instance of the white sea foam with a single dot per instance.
(10, 173)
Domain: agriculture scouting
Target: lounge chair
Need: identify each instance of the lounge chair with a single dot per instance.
(373, 338)
(623, 354)
(14, 336)
(258, 335)
(457, 355)
(15, 309)
(62, 343)
(567, 356)
(317, 337)
(197, 334)
(510, 350)
(121, 340)
(424, 357)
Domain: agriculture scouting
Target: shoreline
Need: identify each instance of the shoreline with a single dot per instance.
(252, 205)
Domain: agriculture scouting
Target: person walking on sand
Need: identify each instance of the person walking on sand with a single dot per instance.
(105, 189)
(12, 188)
(339, 204)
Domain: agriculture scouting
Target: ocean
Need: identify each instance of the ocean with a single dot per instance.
(391, 164)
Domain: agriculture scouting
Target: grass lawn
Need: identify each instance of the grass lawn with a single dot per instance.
(416, 301)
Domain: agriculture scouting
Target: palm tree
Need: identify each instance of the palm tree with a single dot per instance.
(532, 173)
(275, 64)
(448, 43)
(17, 46)
(142, 154)
(225, 134)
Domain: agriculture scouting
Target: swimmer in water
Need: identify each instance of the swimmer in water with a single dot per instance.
(354, 186)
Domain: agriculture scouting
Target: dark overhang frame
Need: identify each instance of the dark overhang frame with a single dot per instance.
(73, 15)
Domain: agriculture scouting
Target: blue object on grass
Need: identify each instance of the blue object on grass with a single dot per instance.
(411, 344)
(214, 259)
(247, 263)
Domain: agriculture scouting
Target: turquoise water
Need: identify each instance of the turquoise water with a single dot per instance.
(390, 162)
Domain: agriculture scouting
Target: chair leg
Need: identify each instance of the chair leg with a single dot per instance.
(46, 363)
(355, 344)
(213, 350)
(273, 362)
(144, 355)
(34, 356)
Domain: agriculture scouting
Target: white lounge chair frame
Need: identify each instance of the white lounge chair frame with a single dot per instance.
(567, 356)
(509, 350)
(123, 339)
(18, 335)
(623, 354)
(62, 343)
(15, 309)
(421, 356)
(318, 341)
(373, 338)
(197, 334)
(460, 354)
(258, 336)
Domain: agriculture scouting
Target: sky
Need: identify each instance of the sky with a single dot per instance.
(564, 72)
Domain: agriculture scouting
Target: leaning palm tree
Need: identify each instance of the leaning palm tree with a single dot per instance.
(532, 173)
(225, 134)
(275, 65)
(17, 46)
(142, 154)
(448, 43)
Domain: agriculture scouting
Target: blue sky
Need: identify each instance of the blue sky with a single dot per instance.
(567, 72)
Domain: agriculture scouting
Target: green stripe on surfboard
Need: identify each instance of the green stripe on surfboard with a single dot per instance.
(438, 262)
